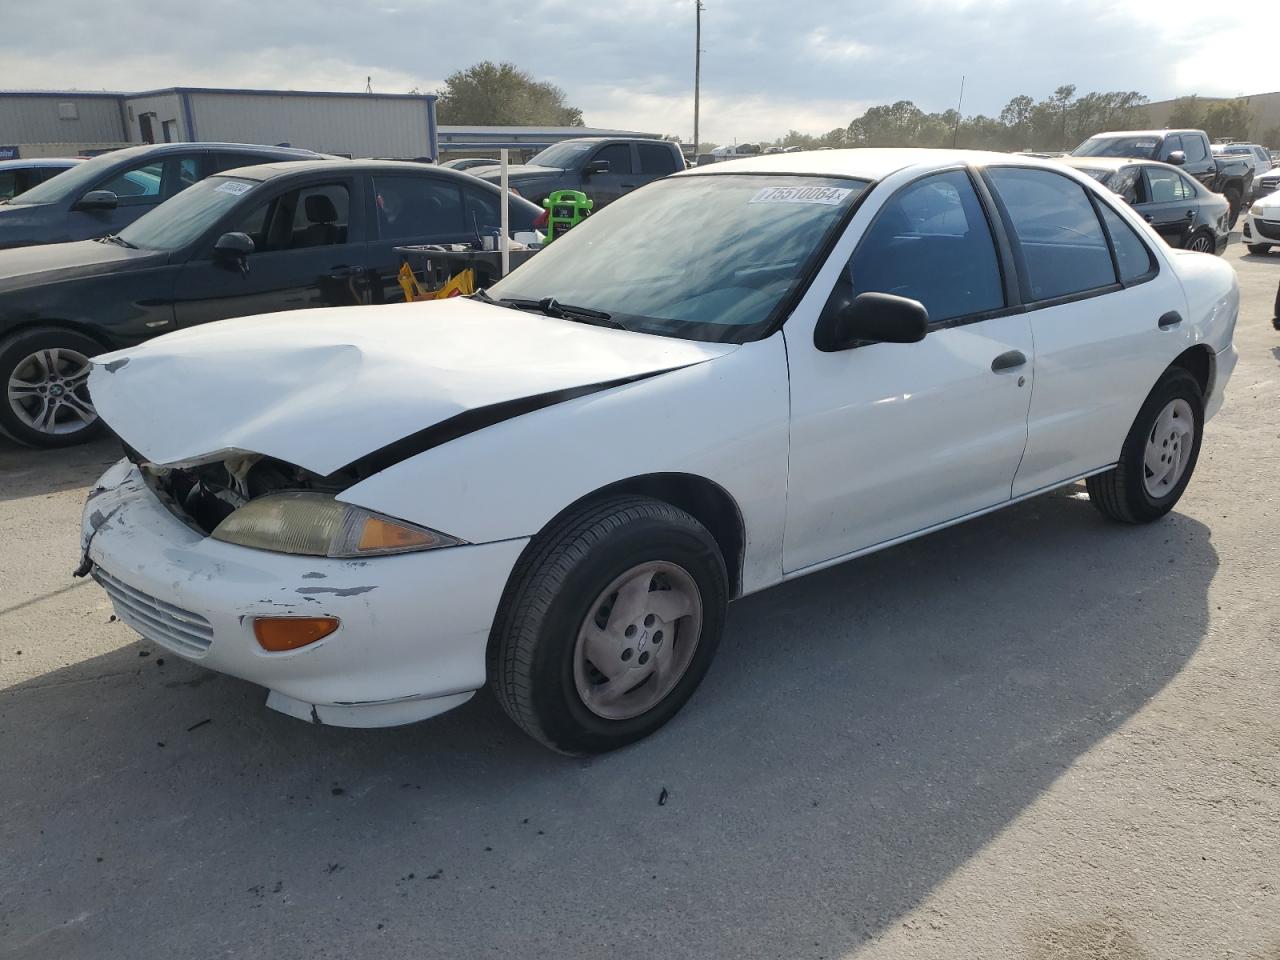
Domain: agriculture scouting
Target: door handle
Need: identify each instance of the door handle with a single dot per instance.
(1191, 214)
(1148, 217)
(1010, 360)
(1170, 320)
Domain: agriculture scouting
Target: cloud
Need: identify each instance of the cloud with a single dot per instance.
(629, 63)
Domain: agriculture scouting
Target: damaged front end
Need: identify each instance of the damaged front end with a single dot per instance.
(203, 495)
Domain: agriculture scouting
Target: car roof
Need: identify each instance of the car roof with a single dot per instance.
(271, 171)
(21, 164)
(864, 163)
(163, 149)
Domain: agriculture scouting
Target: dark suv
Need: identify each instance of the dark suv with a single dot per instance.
(604, 168)
(109, 192)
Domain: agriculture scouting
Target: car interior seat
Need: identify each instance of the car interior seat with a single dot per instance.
(322, 216)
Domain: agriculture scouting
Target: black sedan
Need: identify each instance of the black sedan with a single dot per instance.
(1183, 211)
(109, 192)
(259, 239)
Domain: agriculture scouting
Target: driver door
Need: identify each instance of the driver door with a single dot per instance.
(891, 439)
(604, 188)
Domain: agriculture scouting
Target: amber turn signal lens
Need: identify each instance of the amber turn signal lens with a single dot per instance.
(380, 535)
(289, 633)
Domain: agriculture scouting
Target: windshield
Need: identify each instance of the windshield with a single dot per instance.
(697, 257)
(178, 221)
(560, 154)
(72, 181)
(1143, 146)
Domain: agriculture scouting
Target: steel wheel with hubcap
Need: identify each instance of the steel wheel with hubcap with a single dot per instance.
(608, 624)
(1159, 454)
(637, 640)
(45, 373)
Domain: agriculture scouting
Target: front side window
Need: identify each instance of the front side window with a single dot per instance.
(617, 155)
(1167, 186)
(1064, 250)
(313, 216)
(703, 257)
(140, 182)
(424, 207)
(1193, 147)
(931, 242)
(1172, 144)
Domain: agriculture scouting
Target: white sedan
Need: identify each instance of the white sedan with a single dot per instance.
(735, 376)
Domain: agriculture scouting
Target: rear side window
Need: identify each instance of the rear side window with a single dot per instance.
(618, 156)
(9, 184)
(931, 242)
(656, 158)
(1167, 186)
(1064, 250)
(483, 215)
(1132, 255)
(410, 207)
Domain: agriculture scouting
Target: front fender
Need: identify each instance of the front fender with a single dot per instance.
(725, 420)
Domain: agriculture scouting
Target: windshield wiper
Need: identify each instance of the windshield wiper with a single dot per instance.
(118, 240)
(551, 307)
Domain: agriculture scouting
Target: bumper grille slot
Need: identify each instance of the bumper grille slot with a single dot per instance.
(170, 626)
(1268, 228)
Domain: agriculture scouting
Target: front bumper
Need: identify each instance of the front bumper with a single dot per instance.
(1257, 231)
(414, 627)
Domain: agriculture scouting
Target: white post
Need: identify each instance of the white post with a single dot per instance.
(504, 242)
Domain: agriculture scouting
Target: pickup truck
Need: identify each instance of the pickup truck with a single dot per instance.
(1231, 176)
(604, 168)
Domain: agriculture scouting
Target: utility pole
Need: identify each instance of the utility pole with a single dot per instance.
(697, 71)
(955, 133)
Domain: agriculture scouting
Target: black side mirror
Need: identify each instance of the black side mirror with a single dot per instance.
(872, 318)
(98, 200)
(595, 166)
(1177, 158)
(234, 248)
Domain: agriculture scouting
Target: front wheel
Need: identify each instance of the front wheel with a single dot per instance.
(608, 625)
(45, 375)
(1159, 455)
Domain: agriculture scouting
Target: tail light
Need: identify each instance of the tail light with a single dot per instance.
(541, 220)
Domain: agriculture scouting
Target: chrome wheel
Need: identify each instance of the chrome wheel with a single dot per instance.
(637, 640)
(1201, 244)
(1169, 448)
(49, 392)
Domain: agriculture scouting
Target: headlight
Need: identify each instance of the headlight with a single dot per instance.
(317, 525)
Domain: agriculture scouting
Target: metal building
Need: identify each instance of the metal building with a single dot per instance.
(45, 123)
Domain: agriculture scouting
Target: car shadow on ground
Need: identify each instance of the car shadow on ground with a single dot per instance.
(863, 733)
(25, 471)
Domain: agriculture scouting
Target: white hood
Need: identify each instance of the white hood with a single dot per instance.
(322, 388)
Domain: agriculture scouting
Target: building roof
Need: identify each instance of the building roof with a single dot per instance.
(245, 91)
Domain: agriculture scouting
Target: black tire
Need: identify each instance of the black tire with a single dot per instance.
(1207, 242)
(1233, 200)
(551, 591)
(1259, 248)
(1121, 494)
(14, 351)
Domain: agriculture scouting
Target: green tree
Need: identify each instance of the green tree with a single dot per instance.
(1228, 118)
(1187, 112)
(503, 94)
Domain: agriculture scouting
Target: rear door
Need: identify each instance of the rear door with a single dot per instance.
(1097, 300)
(413, 209)
(1170, 204)
(309, 252)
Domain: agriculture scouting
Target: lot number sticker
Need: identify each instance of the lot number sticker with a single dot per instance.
(828, 195)
(234, 187)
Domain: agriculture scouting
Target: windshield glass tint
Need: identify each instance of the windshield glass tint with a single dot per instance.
(560, 154)
(177, 222)
(1116, 147)
(698, 257)
(73, 181)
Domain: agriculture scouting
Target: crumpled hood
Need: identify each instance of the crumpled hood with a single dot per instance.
(322, 388)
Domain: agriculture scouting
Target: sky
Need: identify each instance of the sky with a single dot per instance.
(767, 67)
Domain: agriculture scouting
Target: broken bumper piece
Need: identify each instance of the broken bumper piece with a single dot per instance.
(413, 627)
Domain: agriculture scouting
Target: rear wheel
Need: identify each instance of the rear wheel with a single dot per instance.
(1201, 241)
(1159, 455)
(608, 625)
(1259, 248)
(45, 376)
(1233, 199)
